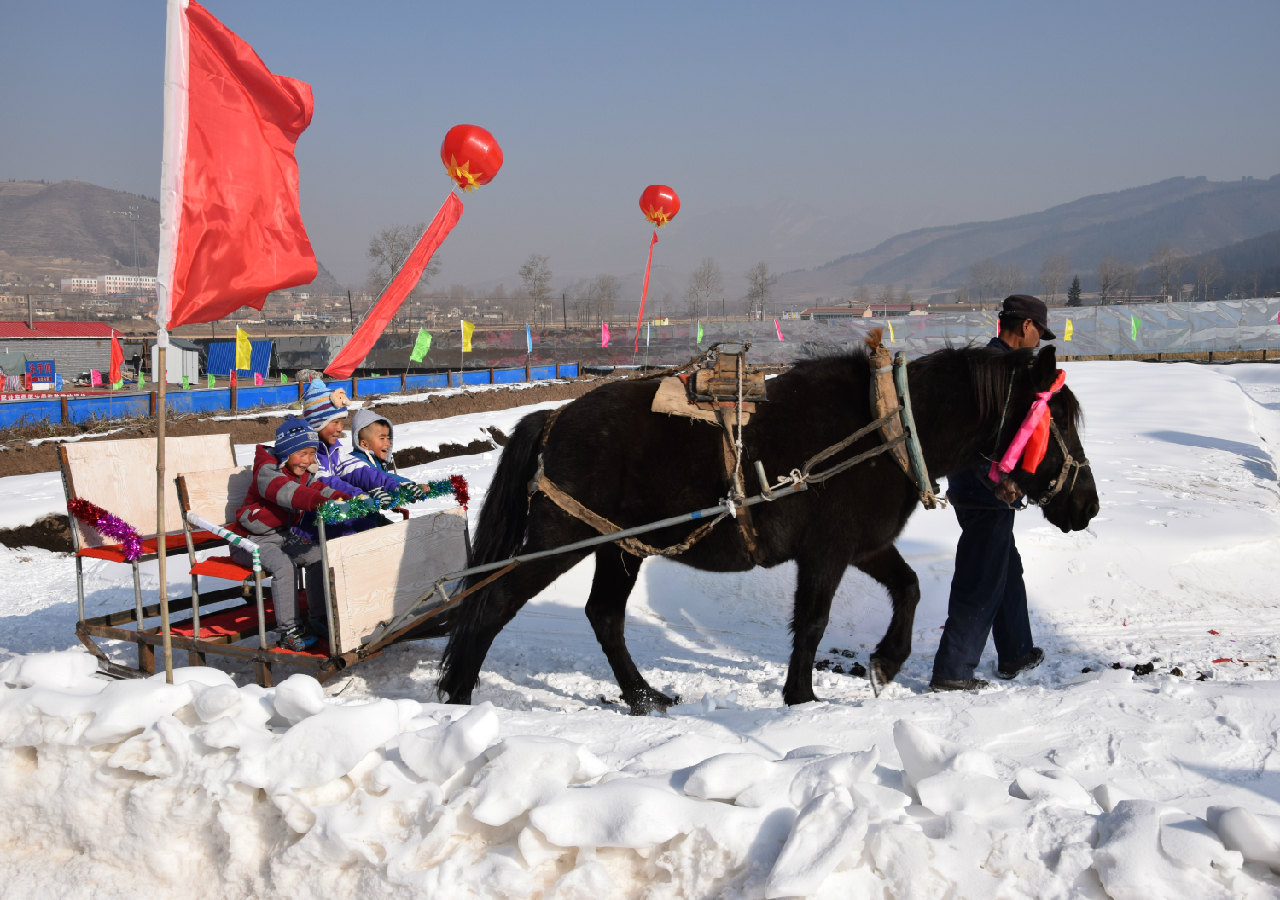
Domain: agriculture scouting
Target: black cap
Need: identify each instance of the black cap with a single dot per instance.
(1024, 306)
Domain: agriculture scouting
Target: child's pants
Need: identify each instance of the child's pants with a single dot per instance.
(279, 552)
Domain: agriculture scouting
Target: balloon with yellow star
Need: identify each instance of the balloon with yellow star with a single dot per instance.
(470, 155)
(659, 204)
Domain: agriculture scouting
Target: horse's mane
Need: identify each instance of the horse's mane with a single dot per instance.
(990, 371)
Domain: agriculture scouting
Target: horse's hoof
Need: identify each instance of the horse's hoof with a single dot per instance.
(649, 701)
(881, 673)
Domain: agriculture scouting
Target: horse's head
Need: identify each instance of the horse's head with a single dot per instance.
(1061, 484)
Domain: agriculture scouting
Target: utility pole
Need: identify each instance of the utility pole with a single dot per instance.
(564, 310)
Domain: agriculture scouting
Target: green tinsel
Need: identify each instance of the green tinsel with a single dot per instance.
(333, 511)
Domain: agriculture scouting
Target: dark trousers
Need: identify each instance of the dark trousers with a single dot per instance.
(279, 553)
(988, 596)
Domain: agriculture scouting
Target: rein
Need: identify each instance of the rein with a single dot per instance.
(1029, 442)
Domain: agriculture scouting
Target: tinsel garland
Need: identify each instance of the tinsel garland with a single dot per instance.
(108, 525)
(333, 511)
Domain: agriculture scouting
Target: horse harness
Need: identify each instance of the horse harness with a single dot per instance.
(894, 424)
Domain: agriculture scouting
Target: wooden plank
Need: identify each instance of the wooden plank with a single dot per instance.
(379, 573)
(120, 477)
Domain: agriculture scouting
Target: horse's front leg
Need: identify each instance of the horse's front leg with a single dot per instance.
(616, 573)
(889, 568)
(816, 581)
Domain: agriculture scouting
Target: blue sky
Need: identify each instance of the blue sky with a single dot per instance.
(893, 116)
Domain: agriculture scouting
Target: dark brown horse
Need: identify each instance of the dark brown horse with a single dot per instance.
(618, 459)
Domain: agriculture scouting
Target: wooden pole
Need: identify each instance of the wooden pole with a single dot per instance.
(161, 543)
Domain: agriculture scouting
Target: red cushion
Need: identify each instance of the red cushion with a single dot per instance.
(222, 567)
(174, 543)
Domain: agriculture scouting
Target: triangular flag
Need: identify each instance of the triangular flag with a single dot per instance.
(257, 379)
(117, 360)
(892, 339)
(604, 334)
(142, 381)
(467, 330)
(777, 328)
(284, 379)
(95, 378)
(244, 349)
(118, 385)
(1134, 322)
(231, 227)
(421, 347)
(1068, 331)
(212, 381)
(699, 341)
(186, 383)
(528, 336)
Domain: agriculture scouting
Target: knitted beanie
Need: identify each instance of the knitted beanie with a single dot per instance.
(321, 406)
(292, 435)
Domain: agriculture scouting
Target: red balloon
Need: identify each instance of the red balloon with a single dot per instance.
(471, 156)
(659, 204)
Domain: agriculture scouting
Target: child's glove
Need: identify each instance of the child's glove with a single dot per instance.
(415, 491)
(381, 497)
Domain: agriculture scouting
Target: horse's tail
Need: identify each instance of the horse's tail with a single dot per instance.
(499, 535)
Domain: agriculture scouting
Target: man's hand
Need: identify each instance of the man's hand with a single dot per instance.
(1008, 491)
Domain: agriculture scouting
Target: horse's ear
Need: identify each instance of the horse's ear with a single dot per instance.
(1046, 367)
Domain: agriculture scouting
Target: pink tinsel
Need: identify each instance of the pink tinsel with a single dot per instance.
(108, 525)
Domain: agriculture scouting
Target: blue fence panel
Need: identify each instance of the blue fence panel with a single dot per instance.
(334, 385)
(508, 376)
(568, 370)
(476, 376)
(273, 395)
(425, 382)
(386, 384)
(542, 373)
(128, 406)
(29, 412)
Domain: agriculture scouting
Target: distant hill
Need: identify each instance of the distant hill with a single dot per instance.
(1192, 214)
(71, 228)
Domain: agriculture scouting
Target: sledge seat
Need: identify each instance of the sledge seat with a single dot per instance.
(119, 477)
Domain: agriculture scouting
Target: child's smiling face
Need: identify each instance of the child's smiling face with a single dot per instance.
(376, 438)
(299, 461)
(329, 433)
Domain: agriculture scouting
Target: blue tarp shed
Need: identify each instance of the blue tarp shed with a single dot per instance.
(222, 357)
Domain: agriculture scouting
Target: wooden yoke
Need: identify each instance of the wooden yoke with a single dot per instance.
(884, 398)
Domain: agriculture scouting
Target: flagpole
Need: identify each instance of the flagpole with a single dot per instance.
(162, 344)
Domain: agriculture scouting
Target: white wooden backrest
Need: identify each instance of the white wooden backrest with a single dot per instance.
(379, 573)
(216, 494)
(120, 477)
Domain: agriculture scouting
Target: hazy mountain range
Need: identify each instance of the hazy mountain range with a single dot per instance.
(51, 231)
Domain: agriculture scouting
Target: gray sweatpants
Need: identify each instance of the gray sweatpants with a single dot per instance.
(279, 552)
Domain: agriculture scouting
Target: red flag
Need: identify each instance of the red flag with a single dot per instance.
(356, 349)
(117, 360)
(230, 225)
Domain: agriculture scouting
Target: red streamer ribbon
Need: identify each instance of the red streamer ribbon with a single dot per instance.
(644, 291)
(106, 524)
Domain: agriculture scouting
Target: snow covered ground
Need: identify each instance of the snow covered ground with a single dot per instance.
(1078, 779)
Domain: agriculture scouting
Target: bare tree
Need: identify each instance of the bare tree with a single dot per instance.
(905, 297)
(388, 249)
(1053, 277)
(535, 275)
(862, 296)
(1167, 263)
(1207, 273)
(759, 290)
(885, 297)
(603, 292)
(704, 283)
(1009, 281)
(983, 278)
(1110, 272)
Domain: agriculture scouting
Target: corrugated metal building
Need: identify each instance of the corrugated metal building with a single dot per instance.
(74, 347)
